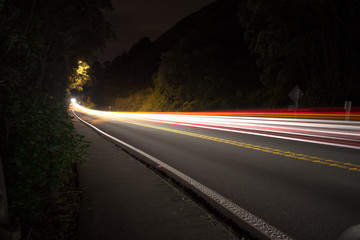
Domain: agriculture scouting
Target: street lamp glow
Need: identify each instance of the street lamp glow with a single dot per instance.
(73, 100)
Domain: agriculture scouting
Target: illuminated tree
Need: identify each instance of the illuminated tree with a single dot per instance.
(79, 77)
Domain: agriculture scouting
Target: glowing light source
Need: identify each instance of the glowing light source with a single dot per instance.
(73, 100)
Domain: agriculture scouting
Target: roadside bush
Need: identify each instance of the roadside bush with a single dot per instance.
(39, 148)
(142, 100)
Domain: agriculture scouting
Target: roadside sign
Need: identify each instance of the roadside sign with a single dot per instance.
(295, 95)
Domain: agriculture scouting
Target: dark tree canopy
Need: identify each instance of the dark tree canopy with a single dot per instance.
(41, 42)
(211, 69)
(242, 54)
(200, 63)
(310, 43)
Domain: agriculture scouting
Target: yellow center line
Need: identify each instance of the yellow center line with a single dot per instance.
(328, 162)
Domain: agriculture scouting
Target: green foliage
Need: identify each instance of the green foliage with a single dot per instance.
(142, 100)
(79, 77)
(203, 60)
(75, 30)
(39, 149)
(208, 70)
(211, 61)
(204, 64)
(40, 43)
(88, 103)
(20, 46)
(310, 43)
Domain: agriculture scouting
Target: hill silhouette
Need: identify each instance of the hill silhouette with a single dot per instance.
(234, 54)
(215, 27)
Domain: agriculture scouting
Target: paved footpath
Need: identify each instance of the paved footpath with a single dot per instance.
(124, 200)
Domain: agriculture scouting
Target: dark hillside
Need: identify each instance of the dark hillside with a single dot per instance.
(133, 71)
(241, 54)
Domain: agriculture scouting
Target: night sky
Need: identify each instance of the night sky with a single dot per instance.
(134, 19)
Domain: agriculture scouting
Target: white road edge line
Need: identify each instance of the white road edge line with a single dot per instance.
(263, 227)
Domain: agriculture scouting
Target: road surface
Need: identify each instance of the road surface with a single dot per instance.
(298, 177)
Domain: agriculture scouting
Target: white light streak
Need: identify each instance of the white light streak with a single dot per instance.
(328, 132)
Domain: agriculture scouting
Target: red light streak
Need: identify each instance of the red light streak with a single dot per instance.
(321, 126)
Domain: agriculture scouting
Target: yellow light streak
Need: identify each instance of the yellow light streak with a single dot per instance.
(124, 117)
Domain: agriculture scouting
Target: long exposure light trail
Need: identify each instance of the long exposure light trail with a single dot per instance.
(322, 131)
(237, 161)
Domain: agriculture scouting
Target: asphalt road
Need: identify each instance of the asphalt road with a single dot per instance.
(306, 190)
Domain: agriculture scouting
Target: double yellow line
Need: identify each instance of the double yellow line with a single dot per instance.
(303, 157)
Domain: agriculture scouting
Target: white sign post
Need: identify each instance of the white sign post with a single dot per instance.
(295, 95)
(347, 108)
